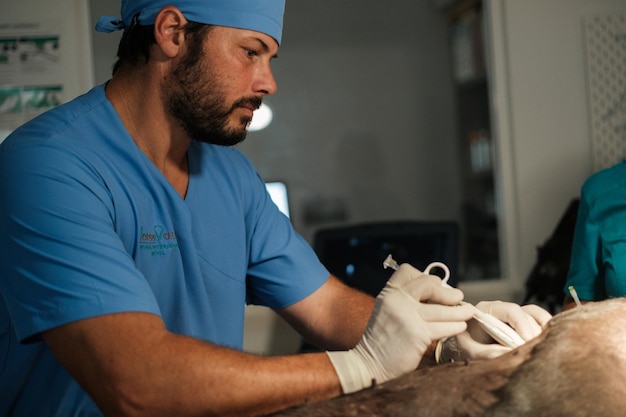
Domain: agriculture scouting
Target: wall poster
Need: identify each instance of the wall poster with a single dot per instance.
(30, 71)
(46, 57)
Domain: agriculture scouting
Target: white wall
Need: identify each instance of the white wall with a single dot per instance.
(364, 112)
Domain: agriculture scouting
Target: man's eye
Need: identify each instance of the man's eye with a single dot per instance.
(251, 52)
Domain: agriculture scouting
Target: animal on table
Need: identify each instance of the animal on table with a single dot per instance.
(575, 368)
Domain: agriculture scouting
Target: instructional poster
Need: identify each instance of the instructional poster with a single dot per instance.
(30, 72)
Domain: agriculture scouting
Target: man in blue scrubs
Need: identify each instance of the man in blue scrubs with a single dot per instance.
(133, 235)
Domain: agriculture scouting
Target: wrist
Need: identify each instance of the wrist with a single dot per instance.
(351, 371)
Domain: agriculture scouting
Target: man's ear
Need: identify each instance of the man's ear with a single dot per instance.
(168, 30)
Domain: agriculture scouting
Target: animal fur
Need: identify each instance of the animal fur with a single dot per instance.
(575, 368)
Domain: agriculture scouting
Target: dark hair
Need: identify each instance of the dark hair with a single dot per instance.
(134, 47)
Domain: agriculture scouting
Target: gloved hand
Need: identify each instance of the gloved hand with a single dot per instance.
(412, 311)
(528, 321)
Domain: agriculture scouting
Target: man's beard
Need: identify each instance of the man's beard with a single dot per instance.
(194, 98)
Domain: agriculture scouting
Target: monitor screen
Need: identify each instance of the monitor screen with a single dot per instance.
(278, 193)
(355, 254)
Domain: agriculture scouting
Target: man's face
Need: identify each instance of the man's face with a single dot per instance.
(211, 92)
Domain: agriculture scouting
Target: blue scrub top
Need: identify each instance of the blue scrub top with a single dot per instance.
(89, 226)
(598, 263)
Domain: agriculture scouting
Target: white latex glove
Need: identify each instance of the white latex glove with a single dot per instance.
(528, 321)
(412, 311)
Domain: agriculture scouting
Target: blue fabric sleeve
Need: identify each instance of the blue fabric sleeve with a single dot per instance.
(283, 267)
(586, 255)
(65, 263)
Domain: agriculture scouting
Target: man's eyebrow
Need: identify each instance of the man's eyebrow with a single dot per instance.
(265, 47)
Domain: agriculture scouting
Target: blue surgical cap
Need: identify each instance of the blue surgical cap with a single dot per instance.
(264, 16)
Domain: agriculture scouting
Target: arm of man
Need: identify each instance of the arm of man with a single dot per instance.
(155, 372)
(132, 366)
(333, 317)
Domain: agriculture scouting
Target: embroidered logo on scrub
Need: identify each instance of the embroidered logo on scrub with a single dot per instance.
(158, 240)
